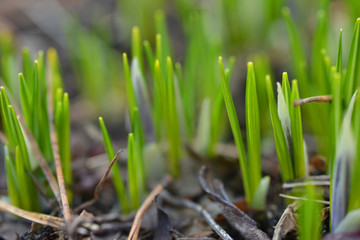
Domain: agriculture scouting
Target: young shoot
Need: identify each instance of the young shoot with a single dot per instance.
(250, 166)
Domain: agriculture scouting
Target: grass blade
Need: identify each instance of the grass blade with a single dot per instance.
(339, 64)
(252, 127)
(136, 48)
(234, 123)
(336, 115)
(134, 191)
(310, 214)
(280, 141)
(297, 135)
(12, 183)
(353, 67)
(149, 56)
(129, 86)
(117, 179)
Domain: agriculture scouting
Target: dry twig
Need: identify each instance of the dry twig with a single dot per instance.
(304, 199)
(40, 218)
(205, 214)
(134, 232)
(58, 168)
(287, 222)
(324, 99)
(99, 186)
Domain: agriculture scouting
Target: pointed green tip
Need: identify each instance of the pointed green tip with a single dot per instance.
(285, 11)
(267, 78)
(20, 75)
(250, 64)
(135, 30)
(220, 59)
(168, 59)
(124, 56)
(135, 110)
(285, 75)
(158, 37)
(294, 83)
(146, 43)
(157, 63)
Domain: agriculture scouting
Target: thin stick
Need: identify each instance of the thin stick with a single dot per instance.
(55, 147)
(59, 174)
(324, 99)
(134, 232)
(100, 184)
(303, 184)
(304, 199)
(40, 218)
(205, 214)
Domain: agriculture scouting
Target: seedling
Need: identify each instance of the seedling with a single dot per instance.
(250, 166)
(287, 128)
(35, 108)
(131, 196)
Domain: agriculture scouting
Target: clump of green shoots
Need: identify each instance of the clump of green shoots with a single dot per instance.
(255, 188)
(38, 113)
(176, 93)
(17, 159)
(287, 128)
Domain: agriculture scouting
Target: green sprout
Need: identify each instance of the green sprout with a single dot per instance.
(35, 106)
(287, 128)
(17, 158)
(310, 212)
(131, 196)
(116, 173)
(251, 165)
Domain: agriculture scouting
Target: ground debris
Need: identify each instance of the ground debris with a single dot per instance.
(237, 218)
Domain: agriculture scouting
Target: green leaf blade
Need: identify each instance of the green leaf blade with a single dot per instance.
(297, 135)
(234, 123)
(282, 150)
(353, 68)
(117, 179)
(253, 127)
